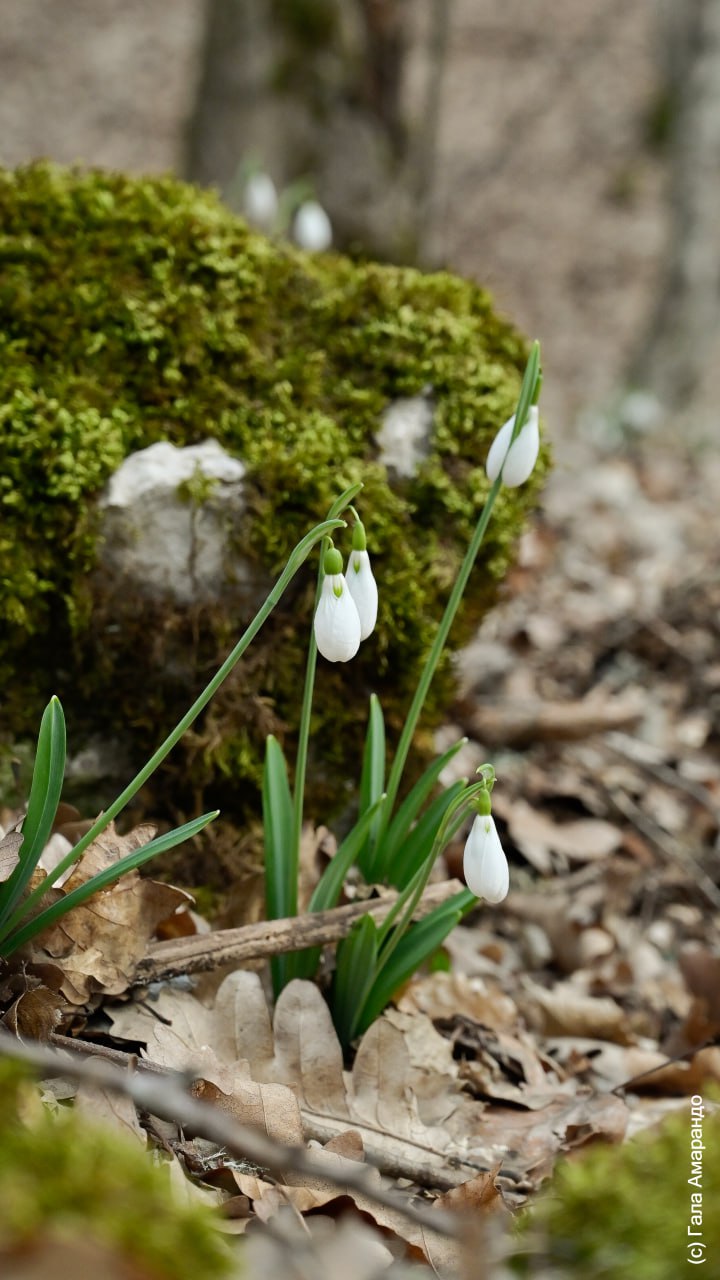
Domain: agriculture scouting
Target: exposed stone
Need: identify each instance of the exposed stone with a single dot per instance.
(405, 435)
(169, 518)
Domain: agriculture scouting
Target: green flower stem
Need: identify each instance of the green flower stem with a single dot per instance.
(528, 391)
(411, 895)
(295, 560)
(335, 511)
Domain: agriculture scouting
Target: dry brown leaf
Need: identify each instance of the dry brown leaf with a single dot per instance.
(9, 853)
(35, 1014)
(537, 836)
(481, 1192)
(407, 1106)
(567, 1011)
(422, 1243)
(110, 1108)
(350, 1248)
(97, 946)
(442, 995)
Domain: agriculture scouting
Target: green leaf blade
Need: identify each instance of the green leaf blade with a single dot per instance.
(354, 977)
(418, 944)
(413, 802)
(372, 785)
(281, 856)
(45, 791)
(131, 862)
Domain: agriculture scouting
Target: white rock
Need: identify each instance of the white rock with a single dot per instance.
(404, 437)
(164, 543)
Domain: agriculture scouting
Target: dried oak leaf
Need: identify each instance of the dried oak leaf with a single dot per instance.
(98, 945)
(9, 853)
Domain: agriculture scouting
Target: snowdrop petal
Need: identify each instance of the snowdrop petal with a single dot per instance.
(520, 456)
(363, 589)
(337, 622)
(260, 200)
(312, 228)
(487, 874)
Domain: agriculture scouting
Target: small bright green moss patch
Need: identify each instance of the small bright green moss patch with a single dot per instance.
(625, 1211)
(62, 1177)
(136, 310)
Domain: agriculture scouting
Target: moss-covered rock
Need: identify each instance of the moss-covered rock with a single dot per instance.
(137, 310)
(72, 1193)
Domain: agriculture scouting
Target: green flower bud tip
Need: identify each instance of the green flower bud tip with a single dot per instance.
(484, 803)
(359, 541)
(333, 561)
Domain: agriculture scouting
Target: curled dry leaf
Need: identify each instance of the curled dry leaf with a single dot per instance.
(567, 1011)
(9, 853)
(98, 945)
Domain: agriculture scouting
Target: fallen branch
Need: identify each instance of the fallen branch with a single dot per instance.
(272, 937)
(166, 1096)
(425, 1167)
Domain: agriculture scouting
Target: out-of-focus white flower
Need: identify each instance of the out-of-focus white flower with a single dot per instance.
(484, 863)
(312, 228)
(260, 200)
(518, 458)
(337, 622)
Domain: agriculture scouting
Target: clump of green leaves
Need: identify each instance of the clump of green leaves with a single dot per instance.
(22, 916)
(390, 843)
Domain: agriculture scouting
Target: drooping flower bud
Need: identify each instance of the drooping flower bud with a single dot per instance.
(485, 866)
(518, 459)
(260, 200)
(312, 228)
(361, 582)
(337, 622)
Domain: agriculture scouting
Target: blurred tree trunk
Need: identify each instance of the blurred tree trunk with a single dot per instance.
(685, 332)
(343, 92)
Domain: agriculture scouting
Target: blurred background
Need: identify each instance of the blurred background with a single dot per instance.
(564, 155)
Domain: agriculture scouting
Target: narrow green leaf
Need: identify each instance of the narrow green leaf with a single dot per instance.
(330, 885)
(372, 783)
(418, 844)
(280, 855)
(104, 878)
(420, 942)
(413, 802)
(354, 976)
(45, 790)
(332, 879)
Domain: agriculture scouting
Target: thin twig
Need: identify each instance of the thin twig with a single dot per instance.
(168, 1099)
(272, 937)
(427, 1168)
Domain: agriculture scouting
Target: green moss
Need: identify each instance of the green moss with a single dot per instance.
(61, 1176)
(136, 310)
(625, 1211)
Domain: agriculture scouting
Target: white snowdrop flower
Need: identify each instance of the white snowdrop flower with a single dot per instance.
(361, 583)
(484, 863)
(312, 228)
(363, 589)
(520, 457)
(337, 621)
(260, 200)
